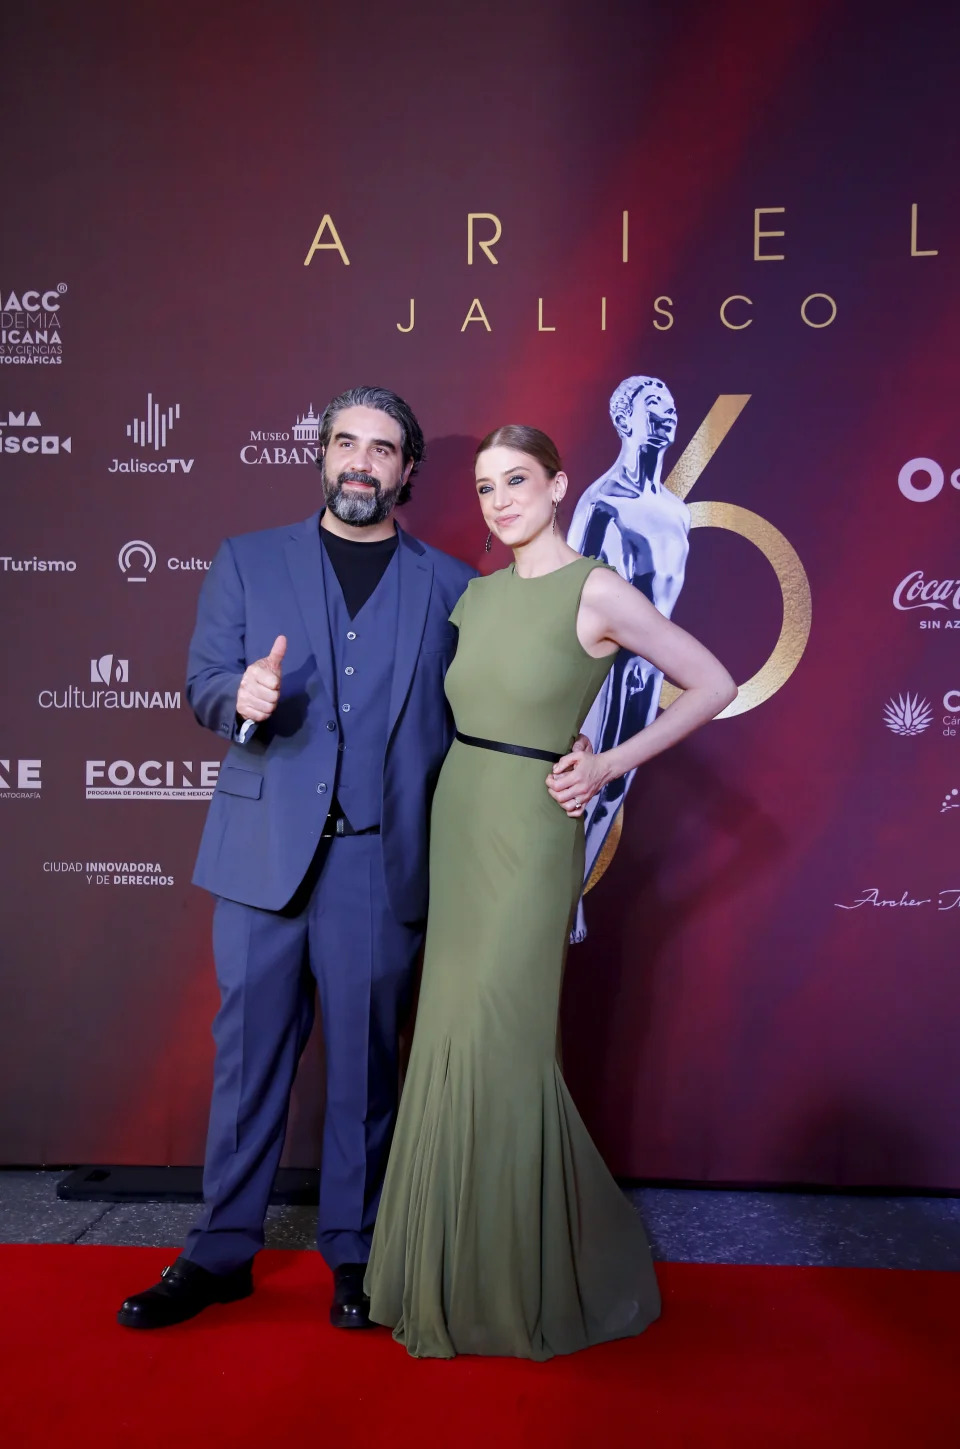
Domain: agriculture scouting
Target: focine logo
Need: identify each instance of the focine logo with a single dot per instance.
(20, 779)
(305, 436)
(22, 433)
(951, 801)
(150, 433)
(30, 326)
(107, 670)
(907, 715)
(151, 779)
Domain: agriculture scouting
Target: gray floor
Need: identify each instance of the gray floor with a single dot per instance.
(684, 1225)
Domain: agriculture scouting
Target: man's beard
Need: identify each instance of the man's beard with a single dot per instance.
(361, 510)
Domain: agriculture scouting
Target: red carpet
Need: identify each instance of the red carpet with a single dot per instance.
(743, 1357)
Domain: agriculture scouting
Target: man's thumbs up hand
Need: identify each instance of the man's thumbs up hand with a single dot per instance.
(274, 659)
(260, 686)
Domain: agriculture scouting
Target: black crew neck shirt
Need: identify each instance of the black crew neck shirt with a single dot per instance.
(359, 567)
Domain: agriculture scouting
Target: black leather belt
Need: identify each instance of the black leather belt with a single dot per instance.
(338, 825)
(550, 757)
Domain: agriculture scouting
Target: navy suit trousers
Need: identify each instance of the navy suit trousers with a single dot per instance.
(340, 937)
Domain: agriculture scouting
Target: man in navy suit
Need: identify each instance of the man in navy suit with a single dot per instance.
(320, 652)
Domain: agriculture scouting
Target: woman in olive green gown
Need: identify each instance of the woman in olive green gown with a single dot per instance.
(500, 1229)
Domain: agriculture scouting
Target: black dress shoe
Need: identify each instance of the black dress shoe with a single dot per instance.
(351, 1306)
(185, 1289)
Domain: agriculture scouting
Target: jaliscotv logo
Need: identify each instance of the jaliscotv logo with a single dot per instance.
(23, 433)
(122, 872)
(110, 671)
(31, 326)
(137, 560)
(937, 600)
(149, 432)
(151, 779)
(300, 444)
(20, 779)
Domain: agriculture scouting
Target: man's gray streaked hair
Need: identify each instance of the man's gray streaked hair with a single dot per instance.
(385, 401)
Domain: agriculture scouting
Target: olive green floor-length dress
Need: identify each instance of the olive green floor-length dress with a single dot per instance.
(500, 1229)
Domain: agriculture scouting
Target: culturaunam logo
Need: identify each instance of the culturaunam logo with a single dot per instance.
(108, 670)
(907, 715)
(30, 326)
(21, 433)
(151, 780)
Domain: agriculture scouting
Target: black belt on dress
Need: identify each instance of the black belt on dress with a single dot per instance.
(551, 757)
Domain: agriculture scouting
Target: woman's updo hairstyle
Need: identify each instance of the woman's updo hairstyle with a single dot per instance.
(526, 440)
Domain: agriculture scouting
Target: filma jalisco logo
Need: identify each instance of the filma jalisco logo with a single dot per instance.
(303, 439)
(151, 779)
(937, 601)
(149, 433)
(20, 779)
(137, 560)
(110, 671)
(31, 324)
(22, 432)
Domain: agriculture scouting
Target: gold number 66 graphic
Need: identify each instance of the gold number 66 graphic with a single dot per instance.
(779, 553)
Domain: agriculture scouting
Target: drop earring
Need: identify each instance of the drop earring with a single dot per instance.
(489, 543)
(556, 505)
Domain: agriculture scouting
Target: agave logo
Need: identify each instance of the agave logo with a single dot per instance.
(951, 801)
(907, 715)
(107, 670)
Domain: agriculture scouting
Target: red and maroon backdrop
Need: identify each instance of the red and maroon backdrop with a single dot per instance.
(229, 211)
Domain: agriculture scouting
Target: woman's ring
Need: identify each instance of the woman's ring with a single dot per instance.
(578, 805)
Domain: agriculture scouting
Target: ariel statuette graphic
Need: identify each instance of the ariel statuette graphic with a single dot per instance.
(640, 525)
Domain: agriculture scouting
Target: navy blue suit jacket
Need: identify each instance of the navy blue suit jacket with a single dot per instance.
(275, 791)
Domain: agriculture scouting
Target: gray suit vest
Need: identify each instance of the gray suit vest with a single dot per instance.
(363, 650)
